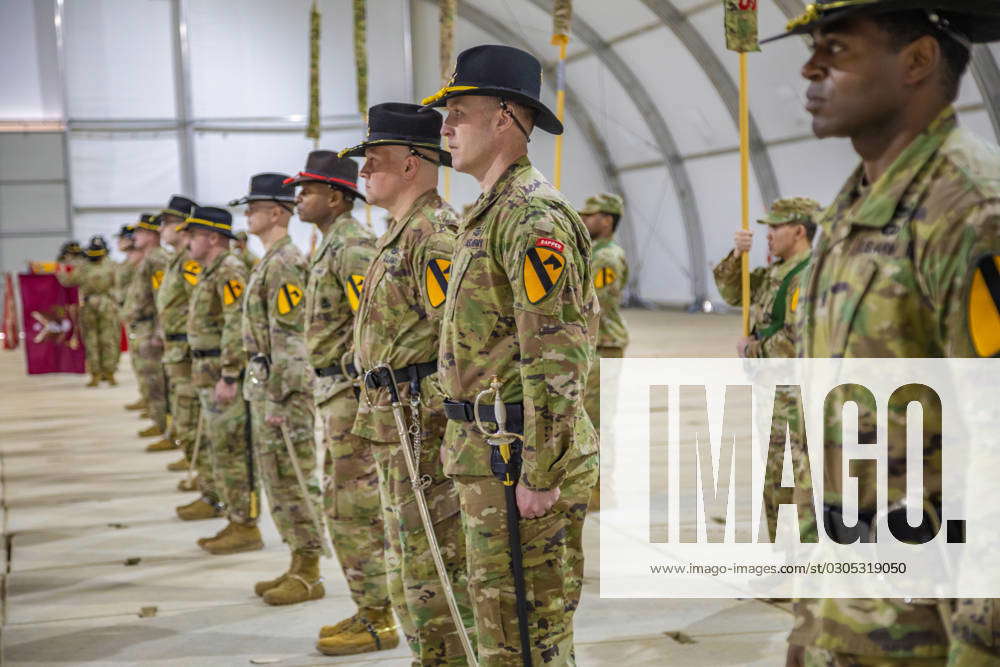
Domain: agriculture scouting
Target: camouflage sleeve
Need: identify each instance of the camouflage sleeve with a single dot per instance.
(71, 278)
(137, 291)
(549, 277)
(231, 284)
(431, 265)
(290, 373)
(610, 274)
(729, 280)
(103, 279)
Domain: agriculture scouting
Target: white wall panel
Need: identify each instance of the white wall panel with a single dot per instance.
(814, 168)
(33, 207)
(30, 89)
(31, 156)
(123, 168)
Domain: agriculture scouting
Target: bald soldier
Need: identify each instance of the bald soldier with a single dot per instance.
(521, 310)
(903, 268)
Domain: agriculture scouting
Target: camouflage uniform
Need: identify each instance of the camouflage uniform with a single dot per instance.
(279, 383)
(351, 496)
(522, 306)
(147, 347)
(98, 314)
(125, 273)
(893, 275)
(398, 323)
(249, 259)
(214, 328)
(172, 300)
(610, 270)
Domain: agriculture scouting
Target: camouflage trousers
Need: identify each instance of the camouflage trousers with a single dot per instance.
(821, 657)
(185, 411)
(101, 335)
(976, 633)
(352, 503)
(414, 586)
(224, 433)
(552, 548)
(284, 493)
(592, 401)
(149, 368)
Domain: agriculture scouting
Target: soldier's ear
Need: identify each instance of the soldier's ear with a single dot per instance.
(921, 60)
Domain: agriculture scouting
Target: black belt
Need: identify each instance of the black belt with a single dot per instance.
(336, 369)
(413, 374)
(833, 521)
(462, 411)
(147, 318)
(176, 338)
(201, 354)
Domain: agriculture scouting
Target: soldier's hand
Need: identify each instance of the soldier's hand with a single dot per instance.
(533, 504)
(275, 420)
(742, 240)
(795, 657)
(224, 393)
(741, 345)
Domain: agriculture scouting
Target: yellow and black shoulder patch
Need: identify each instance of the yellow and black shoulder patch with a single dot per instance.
(436, 281)
(289, 296)
(543, 264)
(355, 283)
(231, 292)
(984, 306)
(156, 279)
(605, 277)
(793, 303)
(191, 269)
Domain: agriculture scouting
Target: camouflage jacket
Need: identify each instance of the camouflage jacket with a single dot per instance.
(249, 259)
(179, 280)
(274, 328)
(610, 277)
(765, 283)
(521, 306)
(124, 274)
(141, 311)
(399, 319)
(96, 281)
(333, 293)
(899, 272)
(215, 321)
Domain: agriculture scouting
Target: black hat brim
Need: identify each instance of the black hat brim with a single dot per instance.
(544, 118)
(359, 150)
(188, 226)
(299, 180)
(246, 199)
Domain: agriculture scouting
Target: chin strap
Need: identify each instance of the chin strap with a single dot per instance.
(506, 110)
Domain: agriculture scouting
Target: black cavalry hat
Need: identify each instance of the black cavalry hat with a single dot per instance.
(499, 71)
(179, 206)
(149, 221)
(326, 167)
(268, 186)
(399, 124)
(974, 21)
(210, 218)
(98, 247)
(126, 232)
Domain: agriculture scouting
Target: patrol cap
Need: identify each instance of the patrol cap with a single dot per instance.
(149, 221)
(603, 203)
(269, 186)
(499, 71)
(792, 209)
(98, 247)
(179, 206)
(974, 21)
(327, 167)
(399, 124)
(211, 218)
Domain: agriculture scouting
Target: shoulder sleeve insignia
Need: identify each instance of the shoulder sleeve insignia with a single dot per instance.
(355, 283)
(289, 296)
(793, 303)
(191, 270)
(231, 292)
(605, 277)
(436, 281)
(156, 279)
(542, 268)
(984, 307)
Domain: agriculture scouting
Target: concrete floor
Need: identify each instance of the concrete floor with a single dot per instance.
(79, 497)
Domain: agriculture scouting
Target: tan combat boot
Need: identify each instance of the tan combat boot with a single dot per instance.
(302, 583)
(262, 587)
(162, 445)
(241, 537)
(200, 509)
(153, 430)
(202, 541)
(138, 405)
(110, 379)
(368, 630)
(185, 485)
(95, 379)
(180, 465)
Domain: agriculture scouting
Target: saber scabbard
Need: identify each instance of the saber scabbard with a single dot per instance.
(310, 505)
(197, 448)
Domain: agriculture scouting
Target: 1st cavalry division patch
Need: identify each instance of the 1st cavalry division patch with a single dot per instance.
(436, 281)
(231, 292)
(543, 265)
(156, 279)
(191, 270)
(353, 287)
(984, 307)
(289, 296)
(605, 277)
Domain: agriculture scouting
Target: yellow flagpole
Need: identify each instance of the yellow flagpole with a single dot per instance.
(745, 184)
(560, 113)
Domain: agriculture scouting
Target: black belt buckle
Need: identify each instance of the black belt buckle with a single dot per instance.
(500, 468)
(458, 410)
(203, 354)
(176, 337)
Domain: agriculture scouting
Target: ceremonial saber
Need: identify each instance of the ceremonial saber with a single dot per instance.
(197, 448)
(305, 491)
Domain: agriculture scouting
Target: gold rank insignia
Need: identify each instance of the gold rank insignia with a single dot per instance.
(793, 303)
(353, 287)
(231, 292)
(436, 281)
(191, 270)
(156, 279)
(605, 277)
(984, 307)
(289, 296)
(543, 265)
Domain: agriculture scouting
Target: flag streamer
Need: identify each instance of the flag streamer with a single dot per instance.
(446, 54)
(312, 127)
(361, 55)
(562, 17)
